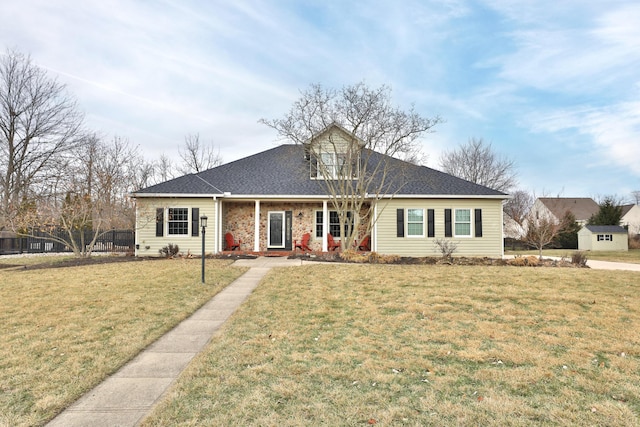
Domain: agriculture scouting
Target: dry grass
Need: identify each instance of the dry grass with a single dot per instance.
(66, 329)
(630, 256)
(421, 345)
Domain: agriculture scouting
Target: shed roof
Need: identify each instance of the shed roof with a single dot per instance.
(606, 229)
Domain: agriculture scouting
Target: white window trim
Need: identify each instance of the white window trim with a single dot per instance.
(166, 222)
(454, 222)
(328, 219)
(406, 225)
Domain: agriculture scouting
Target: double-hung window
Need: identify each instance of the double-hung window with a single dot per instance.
(415, 222)
(462, 223)
(178, 221)
(605, 237)
(334, 223)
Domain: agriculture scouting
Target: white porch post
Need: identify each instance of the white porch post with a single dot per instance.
(256, 228)
(374, 230)
(218, 236)
(216, 229)
(325, 226)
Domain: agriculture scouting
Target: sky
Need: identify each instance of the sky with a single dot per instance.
(552, 85)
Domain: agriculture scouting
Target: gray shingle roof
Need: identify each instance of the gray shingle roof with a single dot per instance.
(283, 170)
(606, 228)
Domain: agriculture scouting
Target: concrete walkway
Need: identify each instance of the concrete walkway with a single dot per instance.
(126, 397)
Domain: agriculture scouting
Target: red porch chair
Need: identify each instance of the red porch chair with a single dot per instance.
(304, 243)
(230, 244)
(365, 244)
(332, 245)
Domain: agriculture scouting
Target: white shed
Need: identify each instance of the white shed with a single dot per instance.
(603, 238)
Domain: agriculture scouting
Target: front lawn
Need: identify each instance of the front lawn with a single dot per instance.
(66, 329)
(421, 345)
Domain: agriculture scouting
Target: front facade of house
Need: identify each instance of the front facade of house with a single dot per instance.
(603, 238)
(268, 201)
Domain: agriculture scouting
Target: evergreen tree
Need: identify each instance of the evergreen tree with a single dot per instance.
(610, 213)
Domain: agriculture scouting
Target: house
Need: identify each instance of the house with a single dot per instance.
(603, 238)
(270, 199)
(555, 208)
(631, 219)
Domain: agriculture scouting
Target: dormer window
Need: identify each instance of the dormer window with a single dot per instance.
(334, 154)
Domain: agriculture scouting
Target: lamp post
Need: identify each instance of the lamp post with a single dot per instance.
(203, 224)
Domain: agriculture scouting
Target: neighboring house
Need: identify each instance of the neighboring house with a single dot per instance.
(272, 198)
(631, 219)
(555, 208)
(603, 238)
(512, 230)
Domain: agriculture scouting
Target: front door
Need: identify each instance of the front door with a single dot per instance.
(279, 230)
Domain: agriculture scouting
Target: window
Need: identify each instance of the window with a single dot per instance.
(415, 222)
(462, 224)
(334, 223)
(332, 166)
(605, 237)
(178, 221)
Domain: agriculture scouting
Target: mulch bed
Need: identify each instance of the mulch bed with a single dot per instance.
(327, 257)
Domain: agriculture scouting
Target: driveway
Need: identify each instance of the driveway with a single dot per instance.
(608, 265)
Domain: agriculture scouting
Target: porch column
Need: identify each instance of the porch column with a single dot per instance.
(218, 236)
(216, 226)
(325, 226)
(374, 229)
(256, 228)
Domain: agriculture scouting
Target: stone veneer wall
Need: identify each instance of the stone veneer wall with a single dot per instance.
(237, 218)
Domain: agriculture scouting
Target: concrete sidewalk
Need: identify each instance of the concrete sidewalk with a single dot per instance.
(126, 397)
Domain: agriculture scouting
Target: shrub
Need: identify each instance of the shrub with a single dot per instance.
(169, 251)
(634, 242)
(579, 258)
(350, 255)
(446, 247)
(388, 259)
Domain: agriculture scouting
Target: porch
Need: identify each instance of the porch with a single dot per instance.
(280, 225)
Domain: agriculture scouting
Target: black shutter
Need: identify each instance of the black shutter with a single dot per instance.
(159, 222)
(478, 227)
(400, 222)
(431, 225)
(447, 223)
(313, 166)
(195, 221)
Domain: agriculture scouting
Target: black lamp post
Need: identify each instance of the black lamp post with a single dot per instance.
(203, 224)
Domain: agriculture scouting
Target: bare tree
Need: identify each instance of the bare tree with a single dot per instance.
(39, 125)
(476, 161)
(540, 231)
(519, 205)
(636, 197)
(197, 157)
(163, 169)
(354, 168)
